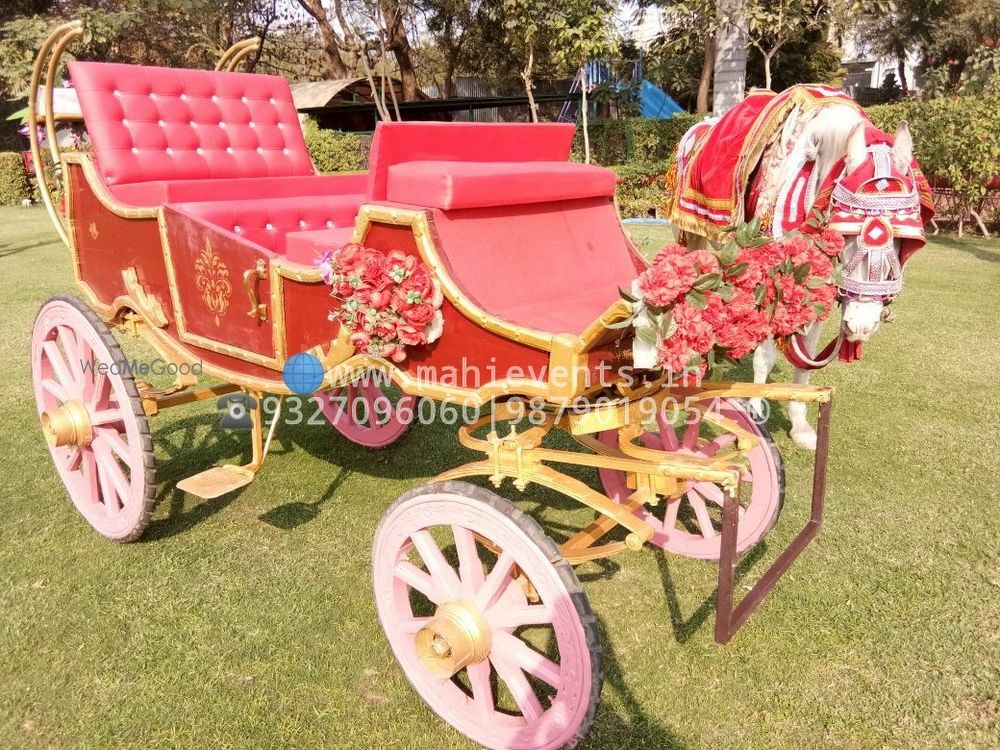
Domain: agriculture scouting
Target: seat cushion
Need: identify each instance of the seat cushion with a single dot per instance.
(147, 124)
(450, 185)
(306, 247)
(268, 222)
(397, 142)
(162, 192)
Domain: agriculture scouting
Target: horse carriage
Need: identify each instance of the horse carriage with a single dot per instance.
(197, 223)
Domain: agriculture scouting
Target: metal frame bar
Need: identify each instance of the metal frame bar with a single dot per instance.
(729, 618)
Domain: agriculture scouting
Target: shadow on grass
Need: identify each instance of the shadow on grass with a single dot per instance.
(631, 727)
(683, 627)
(8, 250)
(969, 246)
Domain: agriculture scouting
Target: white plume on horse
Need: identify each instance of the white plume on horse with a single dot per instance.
(809, 145)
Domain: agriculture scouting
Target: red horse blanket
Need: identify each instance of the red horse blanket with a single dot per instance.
(713, 179)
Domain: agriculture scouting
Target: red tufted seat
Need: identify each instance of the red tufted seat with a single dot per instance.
(161, 192)
(268, 223)
(148, 124)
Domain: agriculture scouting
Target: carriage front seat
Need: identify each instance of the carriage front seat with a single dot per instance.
(527, 235)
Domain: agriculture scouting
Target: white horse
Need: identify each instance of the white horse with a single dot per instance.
(837, 135)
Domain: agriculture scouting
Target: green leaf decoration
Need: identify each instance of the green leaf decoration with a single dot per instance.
(729, 253)
(626, 296)
(737, 270)
(725, 291)
(647, 335)
(801, 272)
(697, 299)
(759, 294)
(707, 281)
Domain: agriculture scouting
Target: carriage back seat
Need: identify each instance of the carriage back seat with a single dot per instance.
(224, 148)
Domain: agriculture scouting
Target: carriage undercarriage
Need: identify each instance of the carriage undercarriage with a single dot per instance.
(705, 482)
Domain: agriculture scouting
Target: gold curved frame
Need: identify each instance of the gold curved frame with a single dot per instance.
(51, 51)
(233, 57)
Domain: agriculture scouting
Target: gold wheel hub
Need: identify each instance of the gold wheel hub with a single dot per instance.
(454, 639)
(68, 424)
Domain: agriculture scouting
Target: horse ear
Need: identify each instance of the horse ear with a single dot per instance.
(902, 149)
(857, 149)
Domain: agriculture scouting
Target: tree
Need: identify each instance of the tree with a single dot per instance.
(342, 54)
(771, 24)
(692, 27)
(584, 32)
(450, 23)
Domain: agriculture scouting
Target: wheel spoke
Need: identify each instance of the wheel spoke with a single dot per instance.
(711, 492)
(88, 470)
(412, 625)
(495, 581)
(417, 579)
(668, 435)
(99, 385)
(722, 441)
(670, 516)
(54, 389)
(106, 416)
(470, 567)
(112, 470)
(690, 439)
(108, 494)
(70, 458)
(519, 687)
(74, 351)
(697, 502)
(527, 658)
(59, 368)
(482, 690)
(113, 440)
(504, 617)
(442, 573)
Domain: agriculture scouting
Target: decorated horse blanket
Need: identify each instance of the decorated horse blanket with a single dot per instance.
(718, 161)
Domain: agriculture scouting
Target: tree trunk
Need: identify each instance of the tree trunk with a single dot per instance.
(332, 44)
(707, 68)
(767, 68)
(399, 44)
(901, 73)
(583, 105)
(526, 76)
(449, 78)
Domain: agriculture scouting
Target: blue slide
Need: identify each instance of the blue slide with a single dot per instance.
(656, 103)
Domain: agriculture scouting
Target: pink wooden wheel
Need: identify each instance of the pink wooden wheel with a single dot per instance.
(368, 412)
(487, 620)
(691, 524)
(92, 419)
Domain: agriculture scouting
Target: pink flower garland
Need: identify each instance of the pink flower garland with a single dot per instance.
(388, 302)
(708, 306)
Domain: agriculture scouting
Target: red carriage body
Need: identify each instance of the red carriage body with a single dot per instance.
(195, 222)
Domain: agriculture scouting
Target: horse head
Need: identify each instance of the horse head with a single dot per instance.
(876, 205)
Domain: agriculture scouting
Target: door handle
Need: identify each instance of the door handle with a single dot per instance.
(250, 278)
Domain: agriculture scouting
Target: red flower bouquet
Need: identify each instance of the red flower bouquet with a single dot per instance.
(387, 301)
(693, 309)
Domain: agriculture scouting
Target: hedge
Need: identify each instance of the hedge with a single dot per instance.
(14, 187)
(334, 151)
(633, 140)
(957, 139)
(640, 188)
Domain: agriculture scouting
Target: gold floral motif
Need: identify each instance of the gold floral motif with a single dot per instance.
(212, 279)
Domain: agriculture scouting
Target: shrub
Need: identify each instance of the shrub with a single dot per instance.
(334, 151)
(633, 139)
(14, 186)
(640, 187)
(957, 139)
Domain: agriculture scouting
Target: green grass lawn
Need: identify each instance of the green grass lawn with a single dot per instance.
(227, 626)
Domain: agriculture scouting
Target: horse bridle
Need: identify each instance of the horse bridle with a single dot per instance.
(863, 213)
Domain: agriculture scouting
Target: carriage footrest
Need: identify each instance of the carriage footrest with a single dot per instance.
(217, 481)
